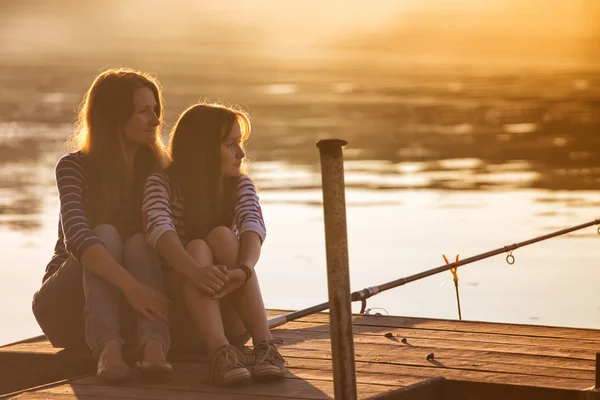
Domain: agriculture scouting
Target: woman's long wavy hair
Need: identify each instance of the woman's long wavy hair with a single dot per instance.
(106, 108)
(195, 172)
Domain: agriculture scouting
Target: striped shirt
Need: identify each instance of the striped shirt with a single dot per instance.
(162, 209)
(75, 234)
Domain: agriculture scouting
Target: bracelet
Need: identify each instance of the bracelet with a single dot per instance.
(246, 270)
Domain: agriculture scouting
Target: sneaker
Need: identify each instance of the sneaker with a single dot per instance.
(227, 367)
(268, 363)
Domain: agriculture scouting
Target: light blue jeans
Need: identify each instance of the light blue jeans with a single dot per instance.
(102, 299)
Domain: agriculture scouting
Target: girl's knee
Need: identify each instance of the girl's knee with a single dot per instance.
(221, 234)
(196, 244)
(138, 239)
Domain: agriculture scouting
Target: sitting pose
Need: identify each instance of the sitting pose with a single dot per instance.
(203, 216)
(101, 253)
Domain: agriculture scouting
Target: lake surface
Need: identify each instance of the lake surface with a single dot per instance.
(440, 161)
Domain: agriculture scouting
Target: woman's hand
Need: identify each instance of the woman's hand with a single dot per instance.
(147, 301)
(210, 279)
(237, 278)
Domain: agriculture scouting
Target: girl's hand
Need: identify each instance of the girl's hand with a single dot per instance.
(209, 279)
(148, 301)
(237, 278)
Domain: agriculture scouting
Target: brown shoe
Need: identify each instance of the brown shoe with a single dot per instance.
(227, 367)
(268, 363)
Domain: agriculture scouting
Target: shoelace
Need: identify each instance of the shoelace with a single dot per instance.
(264, 354)
(231, 356)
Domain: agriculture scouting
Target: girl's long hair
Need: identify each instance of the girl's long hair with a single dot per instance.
(195, 171)
(106, 108)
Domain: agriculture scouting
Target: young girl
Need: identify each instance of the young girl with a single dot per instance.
(101, 252)
(202, 215)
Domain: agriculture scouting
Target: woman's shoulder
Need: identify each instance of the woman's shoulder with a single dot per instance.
(77, 156)
(73, 160)
(159, 177)
(158, 180)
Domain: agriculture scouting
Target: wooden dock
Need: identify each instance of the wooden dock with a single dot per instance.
(478, 361)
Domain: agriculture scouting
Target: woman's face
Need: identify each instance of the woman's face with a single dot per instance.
(141, 129)
(232, 152)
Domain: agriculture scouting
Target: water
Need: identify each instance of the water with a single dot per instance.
(439, 161)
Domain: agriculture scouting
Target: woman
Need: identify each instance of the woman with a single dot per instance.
(203, 217)
(101, 252)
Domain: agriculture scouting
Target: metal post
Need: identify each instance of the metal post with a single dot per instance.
(597, 386)
(338, 276)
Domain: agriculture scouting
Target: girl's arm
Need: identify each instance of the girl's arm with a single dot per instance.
(248, 218)
(161, 234)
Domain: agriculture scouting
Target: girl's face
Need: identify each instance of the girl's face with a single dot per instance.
(232, 152)
(140, 130)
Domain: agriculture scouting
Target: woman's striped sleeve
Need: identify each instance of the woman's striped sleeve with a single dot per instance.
(157, 216)
(70, 181)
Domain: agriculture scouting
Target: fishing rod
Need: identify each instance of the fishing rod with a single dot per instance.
(364, 294)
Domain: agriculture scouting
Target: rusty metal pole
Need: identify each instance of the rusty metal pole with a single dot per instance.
(597, 386)
(338, 275)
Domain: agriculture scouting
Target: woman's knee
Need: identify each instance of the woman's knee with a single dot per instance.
(138, 241)
(137, 247)
(109, 235)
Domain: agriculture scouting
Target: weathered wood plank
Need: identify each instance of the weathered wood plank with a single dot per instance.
(403, 374)
(295, 336)
(28, 369)
(467, 359)
(292, 388)
(559, 343)
(465, 326)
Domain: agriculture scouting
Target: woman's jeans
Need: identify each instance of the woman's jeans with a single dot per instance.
(74, 303)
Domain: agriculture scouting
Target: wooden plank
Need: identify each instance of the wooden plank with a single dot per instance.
(295, 336)
(408, 333)
(466, 326)
(52, 395)
(39, 348)
(431, 389)
(403, 374)
(467, 359)
(494, 391)
(23, 370)
(293, 389)
(195, 376)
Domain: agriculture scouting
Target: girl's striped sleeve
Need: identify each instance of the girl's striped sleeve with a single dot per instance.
(248, 214)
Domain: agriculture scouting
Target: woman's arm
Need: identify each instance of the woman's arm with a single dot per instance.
(83, 244)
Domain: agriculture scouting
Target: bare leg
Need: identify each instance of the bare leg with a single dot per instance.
(205, 311)
(247, 300)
